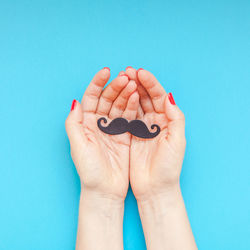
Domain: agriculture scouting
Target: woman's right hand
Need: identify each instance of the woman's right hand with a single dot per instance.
(155, 167)
(155, 164)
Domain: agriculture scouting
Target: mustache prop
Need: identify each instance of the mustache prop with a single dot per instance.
(136, 127)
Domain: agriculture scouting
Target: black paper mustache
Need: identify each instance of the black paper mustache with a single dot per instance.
(136, 127)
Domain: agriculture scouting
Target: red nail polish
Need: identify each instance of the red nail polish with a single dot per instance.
(107, 68)
(171, 98)
(73, 105)
(129, 67)
(138, 71)
(125, 75)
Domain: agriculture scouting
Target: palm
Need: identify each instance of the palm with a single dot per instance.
(153, 162)
(105, 157)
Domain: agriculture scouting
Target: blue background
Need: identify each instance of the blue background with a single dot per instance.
(50, 50)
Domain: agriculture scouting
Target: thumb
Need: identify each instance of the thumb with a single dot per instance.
(73, 123)
(176, 120)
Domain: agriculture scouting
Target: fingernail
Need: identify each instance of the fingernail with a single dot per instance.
(129, 67)
(138, 71)
(124, 75)
(107, 68)
(171, 98)
(73, 105)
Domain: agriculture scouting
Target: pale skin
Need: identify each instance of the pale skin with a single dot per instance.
(107, 163)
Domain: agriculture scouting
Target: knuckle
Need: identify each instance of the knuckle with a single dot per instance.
(106, 99)
(120, 106)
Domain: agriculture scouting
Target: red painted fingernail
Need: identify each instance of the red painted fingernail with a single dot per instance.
(73, 105)
(138, 71)
(171, 98)
(129, 67)
(124, 75)
(107, 68)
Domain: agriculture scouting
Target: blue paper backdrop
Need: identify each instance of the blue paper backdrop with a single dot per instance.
(50, 50)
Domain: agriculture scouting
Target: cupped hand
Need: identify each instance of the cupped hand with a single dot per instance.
(155, 164)
(102, 160)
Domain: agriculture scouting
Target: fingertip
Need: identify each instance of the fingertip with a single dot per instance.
(75, 111)
(133, 102)
(107, 68)
(144, 77)
(137, 72)
(73, 123)
(74, 102)
(124, 74)
(169, 101)
(129, 67)
(134, 98)
(121, 82)
(132, 84)
(130, 112)
(171, 98)
(105, 72)
(121, 73)
(70, 117)
(131, 72)
(176, 124)
(101, 78)
(172, 111)
(75, 106)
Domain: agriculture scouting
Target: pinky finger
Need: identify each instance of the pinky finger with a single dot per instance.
(130, 112)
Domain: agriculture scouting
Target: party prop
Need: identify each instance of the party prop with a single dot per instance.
(136, 127)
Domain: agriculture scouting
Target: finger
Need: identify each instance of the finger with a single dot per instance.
(73, 123)
(145, 100)
(153, 88)
(121, 73)
(91, 96)
(140, 112)
(120, 103)
(110, 93)
(176, 120)
(145, 105)
(131, 72)
(130, 112)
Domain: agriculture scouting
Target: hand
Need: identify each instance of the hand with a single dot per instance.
(102, 161)
(155, 167)
(155, 164)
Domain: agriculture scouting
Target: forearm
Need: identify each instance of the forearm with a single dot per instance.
(100, 222)
(165, 222)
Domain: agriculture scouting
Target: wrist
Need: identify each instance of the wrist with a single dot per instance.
(100, 202)
(160, 203)
(100, 221)
(165, 222)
